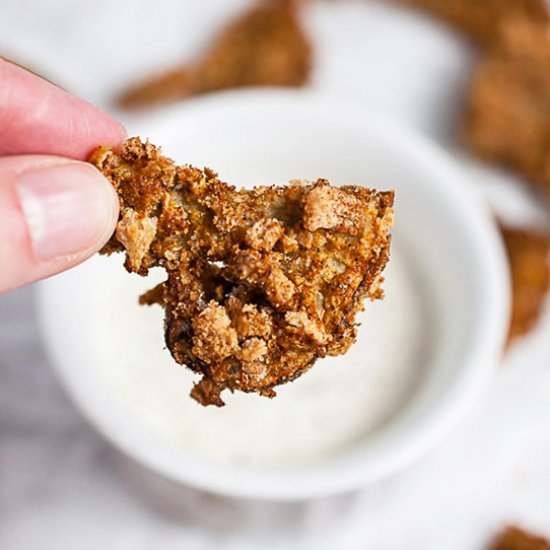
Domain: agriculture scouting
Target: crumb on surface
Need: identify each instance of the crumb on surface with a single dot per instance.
(215, 338)
(264, 234)
(329, 207)
(303, 322)
(252, 349)
(136, 234)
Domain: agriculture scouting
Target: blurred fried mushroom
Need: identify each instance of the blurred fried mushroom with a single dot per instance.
(265, 46)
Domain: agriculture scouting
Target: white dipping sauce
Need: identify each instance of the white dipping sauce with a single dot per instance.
(332, 406)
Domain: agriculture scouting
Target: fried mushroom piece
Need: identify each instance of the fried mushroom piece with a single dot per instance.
(266, 46)
(508, 118)
(479, 20)
(261, 282)
(513, 538)
(529, 257)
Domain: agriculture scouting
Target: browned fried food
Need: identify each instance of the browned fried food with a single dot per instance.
(513, 538)
(261, 282)
(264, 47)
(508, 119)
(479, 20)
(529, 256)
(508, 113)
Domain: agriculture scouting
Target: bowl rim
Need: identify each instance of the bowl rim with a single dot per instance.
(325, 478)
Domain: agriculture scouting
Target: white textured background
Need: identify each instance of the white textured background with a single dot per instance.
(62, 486)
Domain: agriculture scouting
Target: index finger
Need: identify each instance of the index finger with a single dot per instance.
(37, 117)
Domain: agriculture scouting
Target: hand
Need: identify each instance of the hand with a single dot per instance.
(54, 210)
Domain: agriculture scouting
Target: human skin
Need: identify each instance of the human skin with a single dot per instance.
(55, 210)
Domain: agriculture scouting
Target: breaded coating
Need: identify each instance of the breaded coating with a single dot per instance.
(529, 257)
(261, 282)
(513, 538)
(266, 46)
(479, 20)
(508, 118)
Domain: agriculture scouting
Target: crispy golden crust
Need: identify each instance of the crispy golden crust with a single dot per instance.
(508, 119)
(513, 538)
(479, 20)
(529, 257)
(259, 283)
(266, 46)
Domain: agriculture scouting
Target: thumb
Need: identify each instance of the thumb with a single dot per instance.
(54, 213)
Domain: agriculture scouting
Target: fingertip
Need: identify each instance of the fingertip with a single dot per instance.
(111, 130)
(70, 209)
(37, 117)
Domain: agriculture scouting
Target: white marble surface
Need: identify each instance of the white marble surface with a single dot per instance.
(62, 486)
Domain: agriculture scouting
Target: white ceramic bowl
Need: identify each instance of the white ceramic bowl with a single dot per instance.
(273, 136)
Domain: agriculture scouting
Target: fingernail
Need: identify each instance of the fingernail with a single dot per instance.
(69, 208)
